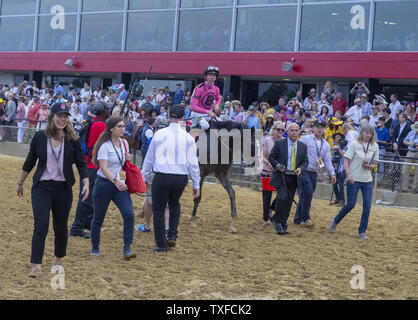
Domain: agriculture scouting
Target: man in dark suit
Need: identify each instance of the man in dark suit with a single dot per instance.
(399, 134)
(289, 158)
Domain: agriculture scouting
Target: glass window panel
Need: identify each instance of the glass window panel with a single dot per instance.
(247, 2)
(57, 35)
(150, 31)
(97, 36)
(151, 4)
(396, 26)
(328, 0)
(17, 33)
(68, 5)
(337, 27)
(205, 3)
(266, 29)
(205, 30)
(103, 5)
(18, 7)
(193, 36)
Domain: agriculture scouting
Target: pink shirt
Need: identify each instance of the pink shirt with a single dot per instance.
(54, 168)
(205, 96)
(21, 111)
(267, 146)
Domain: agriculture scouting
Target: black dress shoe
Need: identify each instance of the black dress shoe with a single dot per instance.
(171, 242)
(278, 227)
(158, 249)
(283, 233)
(82, 234)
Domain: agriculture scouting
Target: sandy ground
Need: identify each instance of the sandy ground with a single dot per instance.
(211, 263)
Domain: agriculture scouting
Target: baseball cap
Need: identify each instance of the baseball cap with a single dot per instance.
(318, 123)
(250, 108)
(176, 111)
(161, 121)
(101, 106)
(59, 108)
(364, 95)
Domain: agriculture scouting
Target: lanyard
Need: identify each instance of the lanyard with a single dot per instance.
(316, 145)
(53, 151)
(121, 152)
(364, 149)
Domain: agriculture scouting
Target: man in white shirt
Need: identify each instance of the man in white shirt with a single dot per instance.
(171, 156)
(374, 118)
(355, 112)
(85, 91)
(395, 106)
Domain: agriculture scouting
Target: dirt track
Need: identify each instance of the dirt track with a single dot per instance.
(211, 263)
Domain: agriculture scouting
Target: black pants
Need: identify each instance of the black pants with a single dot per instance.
(47, 196)
(284, 200)
(84, 211)
(166, 188)
(267, 195)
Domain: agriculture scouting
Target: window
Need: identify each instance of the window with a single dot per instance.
(337, 27)
(205, 3)
(396, 29)
(67, 5)
(151, 4)
(150, 31)
(103, 5)
(327, 0)
(17, 33)
(57, 33)
(205, 30)
(248, 2)
(9, 7)
(97, 36)
(266, 29)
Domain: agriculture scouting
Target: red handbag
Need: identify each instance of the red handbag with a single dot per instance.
(133, 180)
(265, 184)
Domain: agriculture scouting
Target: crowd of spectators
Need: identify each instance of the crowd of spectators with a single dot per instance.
(27, 106)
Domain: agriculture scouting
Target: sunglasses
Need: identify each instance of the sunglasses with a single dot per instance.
(279, 129)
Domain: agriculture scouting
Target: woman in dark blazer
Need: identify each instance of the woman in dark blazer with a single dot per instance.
(57, 148)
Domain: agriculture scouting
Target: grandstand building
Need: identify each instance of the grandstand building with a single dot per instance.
(264, 48)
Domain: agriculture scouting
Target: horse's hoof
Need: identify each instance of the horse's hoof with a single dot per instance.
(194, 225)
(233, 229)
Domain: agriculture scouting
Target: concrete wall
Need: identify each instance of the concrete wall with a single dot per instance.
(323, 191)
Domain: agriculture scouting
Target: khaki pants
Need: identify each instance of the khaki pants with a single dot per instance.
(406, 170)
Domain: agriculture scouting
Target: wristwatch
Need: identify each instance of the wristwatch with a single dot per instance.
(114, 180)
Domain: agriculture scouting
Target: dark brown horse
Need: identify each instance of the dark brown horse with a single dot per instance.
(219, 168)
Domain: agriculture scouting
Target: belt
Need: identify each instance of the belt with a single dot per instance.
(312, 172)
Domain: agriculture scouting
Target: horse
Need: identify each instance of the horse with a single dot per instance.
(221, 169)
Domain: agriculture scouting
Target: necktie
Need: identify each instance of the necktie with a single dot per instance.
(293, 158)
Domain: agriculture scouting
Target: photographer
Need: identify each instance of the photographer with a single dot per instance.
(358, 89)
(338, 149)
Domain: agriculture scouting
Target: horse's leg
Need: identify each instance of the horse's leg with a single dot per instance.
(224, 180)
(197, 201)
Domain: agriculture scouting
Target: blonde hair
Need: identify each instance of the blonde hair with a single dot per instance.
(347, 127)
(277, 124)
(366, 128)
(51, 130)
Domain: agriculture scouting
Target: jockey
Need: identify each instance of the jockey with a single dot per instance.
(206, 99)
